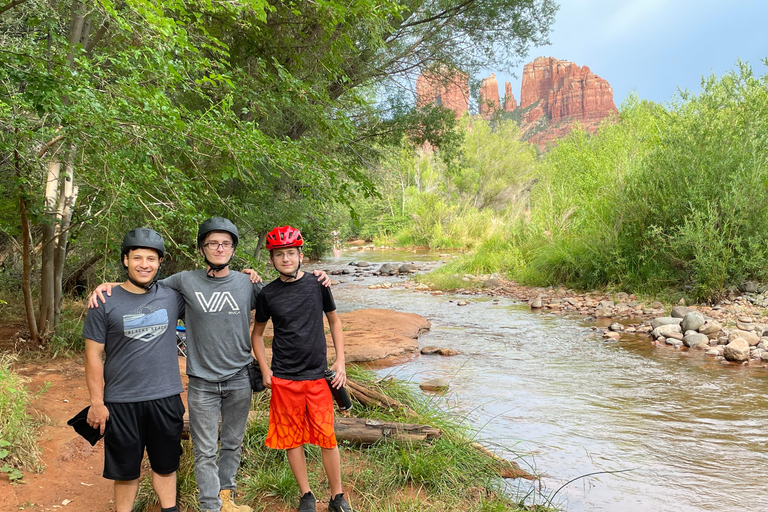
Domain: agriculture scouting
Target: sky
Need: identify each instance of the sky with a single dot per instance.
(654, 47)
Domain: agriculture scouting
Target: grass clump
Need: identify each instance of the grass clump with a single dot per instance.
(19, 451)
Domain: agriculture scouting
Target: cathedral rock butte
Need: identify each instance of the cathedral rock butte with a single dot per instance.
(555, 96)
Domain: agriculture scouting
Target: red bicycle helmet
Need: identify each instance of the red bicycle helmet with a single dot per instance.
(284, 236)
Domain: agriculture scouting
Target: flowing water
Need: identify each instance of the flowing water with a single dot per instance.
(667, 430)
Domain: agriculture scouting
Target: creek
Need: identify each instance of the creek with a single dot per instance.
(668, 430)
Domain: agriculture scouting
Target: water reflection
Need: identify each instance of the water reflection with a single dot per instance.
(690, 431)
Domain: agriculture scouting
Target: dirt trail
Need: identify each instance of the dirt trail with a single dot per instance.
(72, 477)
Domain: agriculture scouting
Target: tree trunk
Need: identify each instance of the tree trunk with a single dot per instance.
(260, 245)
(67, 198)
(47, 295)
(26, 258)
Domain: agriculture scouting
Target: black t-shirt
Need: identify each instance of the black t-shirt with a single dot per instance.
(296, 308)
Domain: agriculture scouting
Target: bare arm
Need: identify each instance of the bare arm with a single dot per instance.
(337, 334)
(94, 377)
(98, 294)
(257, 345)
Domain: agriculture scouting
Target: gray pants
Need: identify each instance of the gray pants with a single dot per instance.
(230, 399)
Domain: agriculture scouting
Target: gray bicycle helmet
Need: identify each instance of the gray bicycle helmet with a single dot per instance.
(216, 224)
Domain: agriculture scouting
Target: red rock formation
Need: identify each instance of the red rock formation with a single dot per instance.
(489, 96)
(450, 90)
(556, 95)
(565, 90)
(510, 103)
(565, 95)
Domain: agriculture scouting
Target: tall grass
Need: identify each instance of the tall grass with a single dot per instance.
(19, 450)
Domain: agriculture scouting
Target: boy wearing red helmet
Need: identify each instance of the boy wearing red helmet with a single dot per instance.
(301, 402)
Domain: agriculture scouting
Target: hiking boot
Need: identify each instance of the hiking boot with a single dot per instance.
(227, 505)
(307, 502)
(339, 504)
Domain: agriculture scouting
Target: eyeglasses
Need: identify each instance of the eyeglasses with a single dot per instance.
(213, 246)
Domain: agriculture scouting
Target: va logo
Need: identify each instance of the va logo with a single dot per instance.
(217, 302)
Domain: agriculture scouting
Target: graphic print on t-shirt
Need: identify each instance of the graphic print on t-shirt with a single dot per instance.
(145, 324)
(217, 302)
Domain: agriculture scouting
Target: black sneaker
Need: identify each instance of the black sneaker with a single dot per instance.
(307, 503)
(339, 504)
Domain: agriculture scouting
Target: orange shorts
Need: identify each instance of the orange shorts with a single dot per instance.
(300, 412)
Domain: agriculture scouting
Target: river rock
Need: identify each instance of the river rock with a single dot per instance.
(421, 287)
(461, 303)
(388, 269)
(713, 352)
(616, 327)
(764, 356)
(536, 303)
(610, 335)
(604, 312)
(711, 328)
(668, 331)
(673, 341)
(680, 311)
(438, 384)
(692, 321)
(363, 264)
(748, 287)
(491, 283)
(407, 267)
(447, 352)
(737, 350)
(695, 339)
(429, 350)
(665, 320)
(751, 337)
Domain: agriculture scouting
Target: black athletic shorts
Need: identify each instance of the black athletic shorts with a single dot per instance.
(154, 424)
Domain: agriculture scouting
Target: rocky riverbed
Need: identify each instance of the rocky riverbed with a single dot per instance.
(734, 330)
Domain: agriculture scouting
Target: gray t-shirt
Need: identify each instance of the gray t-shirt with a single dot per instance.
(218, 317)
(138, 331)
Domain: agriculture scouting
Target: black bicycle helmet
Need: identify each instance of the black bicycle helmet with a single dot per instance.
(216, 224)
(209, 226)
(142, 238)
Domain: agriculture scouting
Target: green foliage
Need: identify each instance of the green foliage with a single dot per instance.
(19, 450)
(427, 201)
(666, 197)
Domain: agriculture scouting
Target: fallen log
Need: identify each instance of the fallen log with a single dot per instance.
(372, 398)
(364, 431)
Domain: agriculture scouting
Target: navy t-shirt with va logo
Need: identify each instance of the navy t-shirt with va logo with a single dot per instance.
(138, 331)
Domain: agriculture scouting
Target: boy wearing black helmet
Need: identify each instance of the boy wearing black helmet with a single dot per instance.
(218, 305)
(136, 390)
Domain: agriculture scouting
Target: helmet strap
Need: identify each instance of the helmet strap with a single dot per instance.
(212, 269)
(294, 275)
